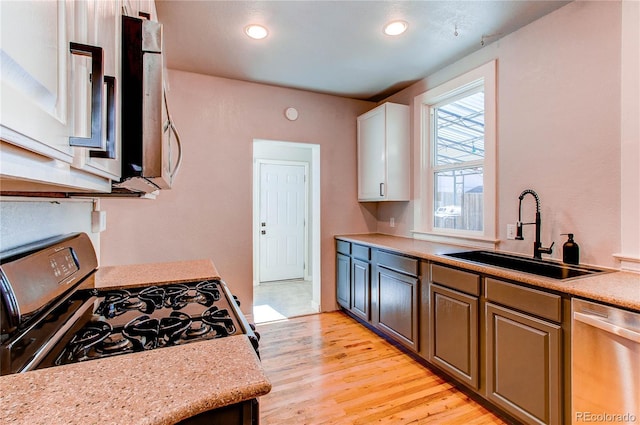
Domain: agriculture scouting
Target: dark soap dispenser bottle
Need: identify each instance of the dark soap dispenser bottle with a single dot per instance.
(570, 251)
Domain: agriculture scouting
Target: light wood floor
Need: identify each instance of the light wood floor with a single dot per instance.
(329, 369)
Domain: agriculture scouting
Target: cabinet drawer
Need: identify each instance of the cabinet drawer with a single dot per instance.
(456, 279)
(398, 263)
(361, 252)
(343, 247)
(542, 304)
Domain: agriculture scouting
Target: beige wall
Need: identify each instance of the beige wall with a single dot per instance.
(208, 213)
(558, 129)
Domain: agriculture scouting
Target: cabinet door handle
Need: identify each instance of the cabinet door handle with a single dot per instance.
(110, 150)
(95, 53)
(381, 189)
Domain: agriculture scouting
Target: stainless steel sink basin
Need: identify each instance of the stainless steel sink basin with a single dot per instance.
(528, 265)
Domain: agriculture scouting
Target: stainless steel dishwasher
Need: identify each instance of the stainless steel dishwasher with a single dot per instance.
(605, 364)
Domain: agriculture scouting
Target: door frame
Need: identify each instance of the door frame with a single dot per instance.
(276, 150)
(258, 164)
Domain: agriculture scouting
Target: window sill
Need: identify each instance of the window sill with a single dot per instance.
(457, 239)
(627, 262)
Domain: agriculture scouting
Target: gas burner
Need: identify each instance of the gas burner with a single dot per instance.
(113, 345)
(209, 288)
(190, 297)
(153, 297)
(142, 332)
(196, 330)
(206, 293)
(89, 336)
(172, 292)
(173, 327)
(219, 320)
(117, 302)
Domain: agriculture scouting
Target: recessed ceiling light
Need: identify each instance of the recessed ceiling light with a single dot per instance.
(257, 32)
(395, 27)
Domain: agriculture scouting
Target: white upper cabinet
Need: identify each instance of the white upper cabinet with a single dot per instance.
(46, 94)
(383, 154)
(35, 66)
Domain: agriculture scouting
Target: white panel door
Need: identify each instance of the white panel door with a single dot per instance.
(282, 221)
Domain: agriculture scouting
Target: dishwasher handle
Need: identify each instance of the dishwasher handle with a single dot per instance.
(596, 322)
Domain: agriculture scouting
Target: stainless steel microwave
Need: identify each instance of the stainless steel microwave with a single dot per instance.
(150, 143)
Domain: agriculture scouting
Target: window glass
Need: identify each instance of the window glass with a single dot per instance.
(459, 127)
(458, 199)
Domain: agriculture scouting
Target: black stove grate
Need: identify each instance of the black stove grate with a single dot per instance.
(127, 321)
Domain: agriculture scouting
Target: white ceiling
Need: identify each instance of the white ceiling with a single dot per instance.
(335, 47)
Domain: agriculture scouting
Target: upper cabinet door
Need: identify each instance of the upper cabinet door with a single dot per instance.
(371, 155)
(34, 84)
(383, 154)
(98, 23)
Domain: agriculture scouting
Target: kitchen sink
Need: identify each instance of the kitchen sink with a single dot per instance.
(528, 265)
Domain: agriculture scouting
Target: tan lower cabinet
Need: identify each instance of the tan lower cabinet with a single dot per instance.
(523, 357)
(343, 273)
(454, 333)
(397, 305)
(343, 280)
(454, 323)
(360, 280)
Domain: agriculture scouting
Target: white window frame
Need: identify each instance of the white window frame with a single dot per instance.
(424, 177)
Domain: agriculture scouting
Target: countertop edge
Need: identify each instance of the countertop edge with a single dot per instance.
(89, 392)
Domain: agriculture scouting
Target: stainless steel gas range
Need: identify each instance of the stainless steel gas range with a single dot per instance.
(51, 315)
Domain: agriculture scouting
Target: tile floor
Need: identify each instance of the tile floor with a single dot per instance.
(282, 300)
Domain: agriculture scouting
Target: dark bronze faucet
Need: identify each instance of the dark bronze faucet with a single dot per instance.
(538, 250)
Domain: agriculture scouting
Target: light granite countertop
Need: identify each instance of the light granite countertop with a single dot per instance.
(162, 386)
(615, 287)
(154, 273)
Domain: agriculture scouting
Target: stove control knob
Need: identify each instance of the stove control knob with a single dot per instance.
(254, 343)
(237, 300)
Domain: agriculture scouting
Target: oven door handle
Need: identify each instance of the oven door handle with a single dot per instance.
(37, 358)
(597, 322)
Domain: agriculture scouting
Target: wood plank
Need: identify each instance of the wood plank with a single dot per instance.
(329, 369)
